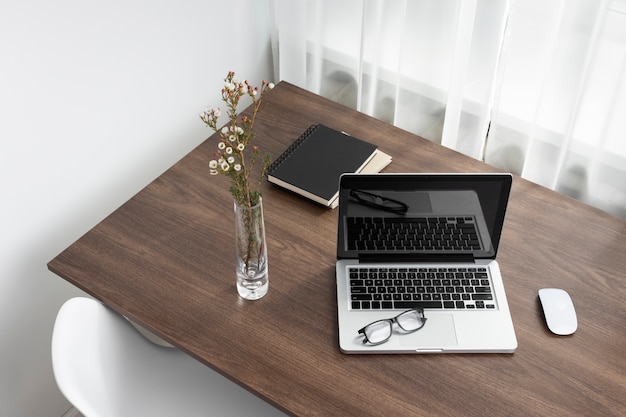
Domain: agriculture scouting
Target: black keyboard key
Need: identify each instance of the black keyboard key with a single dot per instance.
(417, 304)
(361, 297)
(482, 297)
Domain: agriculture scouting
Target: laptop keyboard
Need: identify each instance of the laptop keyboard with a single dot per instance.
(405, 288)
(414, 234)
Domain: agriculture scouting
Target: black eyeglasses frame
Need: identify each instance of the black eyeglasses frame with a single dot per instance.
(392, 320)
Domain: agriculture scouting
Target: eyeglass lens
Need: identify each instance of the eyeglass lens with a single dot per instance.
(378, 332)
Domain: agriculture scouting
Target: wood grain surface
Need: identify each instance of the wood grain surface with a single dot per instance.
(166, 260)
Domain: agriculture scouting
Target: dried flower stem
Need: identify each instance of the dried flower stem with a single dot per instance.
(235, 138)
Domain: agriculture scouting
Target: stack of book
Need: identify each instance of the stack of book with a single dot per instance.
(312, 165)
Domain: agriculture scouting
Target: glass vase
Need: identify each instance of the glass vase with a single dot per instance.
(250, 251)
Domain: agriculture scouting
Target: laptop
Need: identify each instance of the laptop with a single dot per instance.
(425, 242)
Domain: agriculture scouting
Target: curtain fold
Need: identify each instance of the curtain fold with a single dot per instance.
(536, 88)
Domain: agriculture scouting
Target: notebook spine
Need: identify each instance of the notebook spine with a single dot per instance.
(291, 148)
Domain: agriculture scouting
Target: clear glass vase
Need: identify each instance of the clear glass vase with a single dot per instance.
(250, 251)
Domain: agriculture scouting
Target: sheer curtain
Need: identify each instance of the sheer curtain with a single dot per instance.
(559, 117)
(532, 87)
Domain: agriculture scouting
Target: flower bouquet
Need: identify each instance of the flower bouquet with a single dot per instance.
(236, 157)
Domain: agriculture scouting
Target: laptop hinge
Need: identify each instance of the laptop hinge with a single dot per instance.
(416, 257)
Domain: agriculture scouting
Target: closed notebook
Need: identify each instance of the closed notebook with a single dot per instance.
(312, 165)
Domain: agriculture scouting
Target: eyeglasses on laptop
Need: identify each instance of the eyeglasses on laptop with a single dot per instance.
(379, 202)
(380, 331)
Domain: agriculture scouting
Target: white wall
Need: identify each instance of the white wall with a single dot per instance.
(97, 98)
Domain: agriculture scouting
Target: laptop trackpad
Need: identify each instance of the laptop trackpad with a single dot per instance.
(438, 332)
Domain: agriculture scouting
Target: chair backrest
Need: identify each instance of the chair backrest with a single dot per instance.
(105, 368)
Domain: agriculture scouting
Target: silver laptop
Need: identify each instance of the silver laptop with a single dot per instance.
(424, 244)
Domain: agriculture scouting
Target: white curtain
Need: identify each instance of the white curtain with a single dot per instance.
(533, 87)
(559, 117)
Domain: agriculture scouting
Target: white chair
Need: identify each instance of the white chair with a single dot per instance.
(106, 368)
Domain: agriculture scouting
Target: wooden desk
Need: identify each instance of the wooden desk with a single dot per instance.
(166, 260)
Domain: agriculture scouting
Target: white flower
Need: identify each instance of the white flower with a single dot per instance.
(270, 86)
(213, 172)
(232, 138)
(224, 130)
(240, 130)
(221, 145)
(225, 166)
(231, 159)
(241, 147)
(217, 112)
(229, 86)
(237, 167)
(213, 164)
(229, 150)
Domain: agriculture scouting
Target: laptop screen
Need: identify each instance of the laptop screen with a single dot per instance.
(417, 216)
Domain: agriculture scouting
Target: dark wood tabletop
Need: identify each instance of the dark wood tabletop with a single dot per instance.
(165, 259)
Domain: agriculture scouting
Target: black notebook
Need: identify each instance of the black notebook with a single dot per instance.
(312, 165)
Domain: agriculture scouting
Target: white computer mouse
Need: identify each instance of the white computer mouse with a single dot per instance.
(558, 309)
